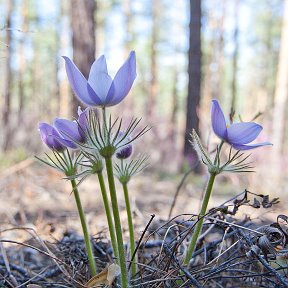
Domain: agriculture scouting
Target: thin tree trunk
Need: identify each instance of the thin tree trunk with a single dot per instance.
(212, 86)
(217, 89)
(281, 89)
(8, 80)
(151, 104)
(127, 9)
(129, 38)
(22, 59)
(64, 92)
(235, 60)
(194, 74)
(173, 116)
(83, 39)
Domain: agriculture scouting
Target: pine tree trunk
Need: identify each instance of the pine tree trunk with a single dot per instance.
(219, 53)
(8, 78)
(281, 89)
(83, 39)
(235, 60)
(64, 92)
(153, 91)
(129, 39)
(22, 59)
(194, 74)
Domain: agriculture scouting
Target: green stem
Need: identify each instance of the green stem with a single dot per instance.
(91, 260)
(198, 227)
(131, 229)
(118, 229)
(105, 127)
(108, 215)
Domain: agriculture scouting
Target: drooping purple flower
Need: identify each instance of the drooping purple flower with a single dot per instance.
(51, 137)
(100, 89)
(238, 135)
(69, 132)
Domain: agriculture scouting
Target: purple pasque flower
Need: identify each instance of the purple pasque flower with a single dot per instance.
(100, 89)
(238, 135)
(51, 137)
(69, 132)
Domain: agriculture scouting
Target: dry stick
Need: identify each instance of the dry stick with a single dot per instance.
(178, 191)
(34, 234)
(19, 269)
(42, 252)
(235, 225)
(163, 242)
(140, 240)
(35, 248)
(183, 269)
(10, 275)
(264, 262)
(34, 278)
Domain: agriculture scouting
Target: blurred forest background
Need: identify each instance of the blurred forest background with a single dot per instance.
(188, 52)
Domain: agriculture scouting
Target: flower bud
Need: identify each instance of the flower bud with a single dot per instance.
(50, 136)
(124, 152)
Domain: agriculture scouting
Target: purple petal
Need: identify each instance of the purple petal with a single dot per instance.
(50, 136)
(243, 133)
(83, 120)
(250, 146)
(78, 83)
(96, 100)
(99, 80)
(123, 81)
(218, 120)
(68, 131)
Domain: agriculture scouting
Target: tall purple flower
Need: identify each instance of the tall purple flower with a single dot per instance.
(100, 89)
(51, 137)
(238, 135)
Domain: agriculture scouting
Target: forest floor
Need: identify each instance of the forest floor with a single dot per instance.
(38, 204)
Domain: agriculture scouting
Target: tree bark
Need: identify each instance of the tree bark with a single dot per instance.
(83, 39)
(153, 91)
(194, 74)
(64, 42)
(8, 80)
(281, 90)
(128, 46)
(235, 60)
(22, 59)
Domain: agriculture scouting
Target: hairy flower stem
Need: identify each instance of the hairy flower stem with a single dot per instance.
(108, 215)
(88, 245)
(118, 229)
(105, 127)
(199, 225)
(131, 229)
